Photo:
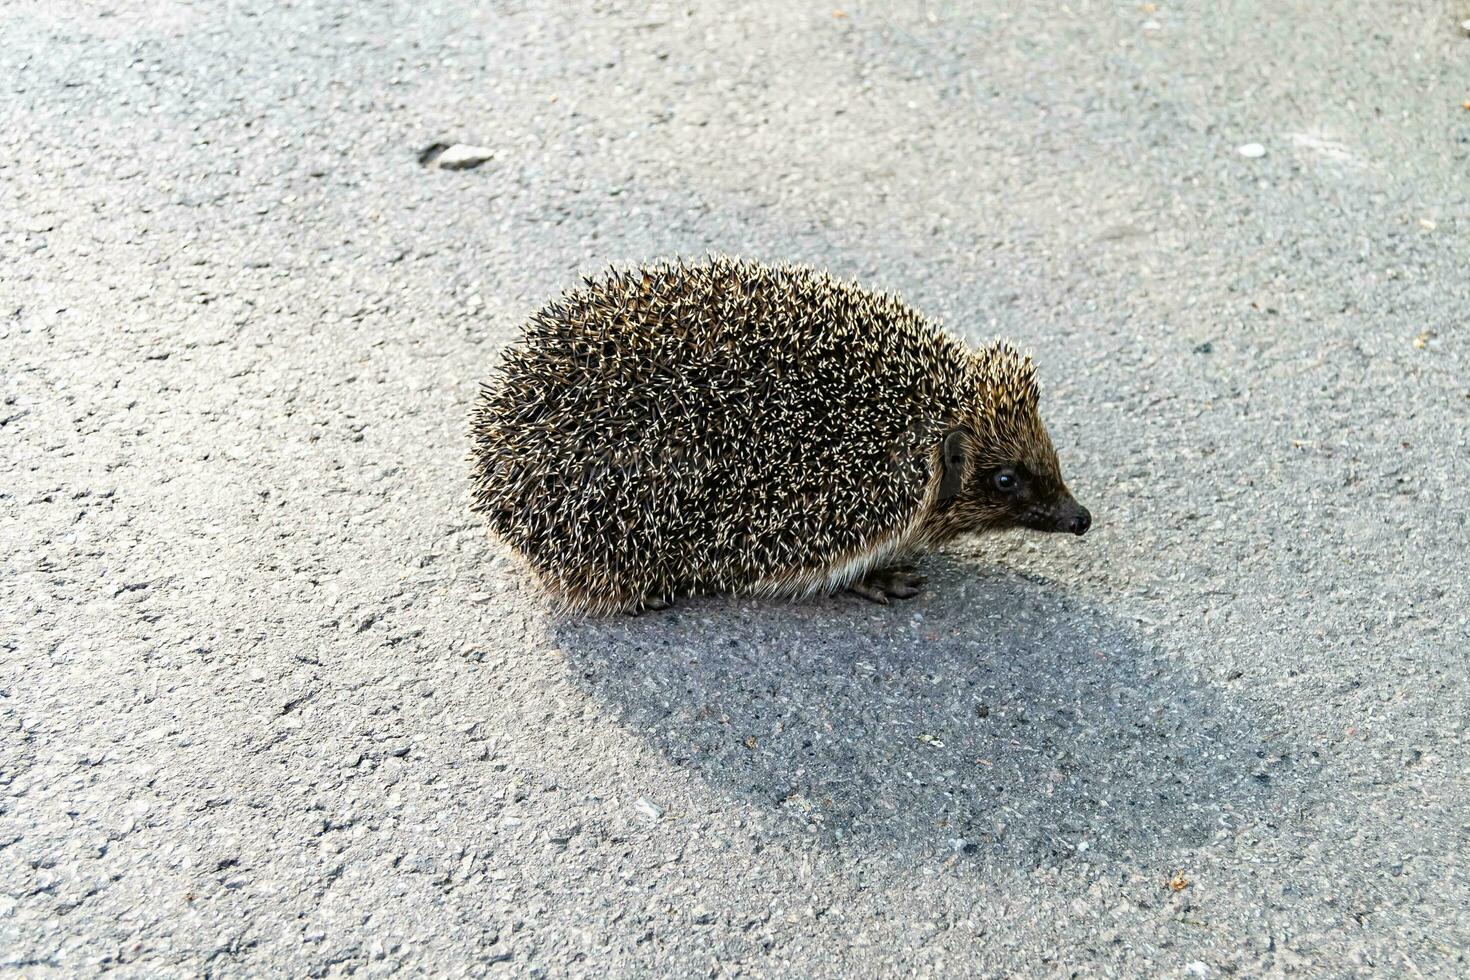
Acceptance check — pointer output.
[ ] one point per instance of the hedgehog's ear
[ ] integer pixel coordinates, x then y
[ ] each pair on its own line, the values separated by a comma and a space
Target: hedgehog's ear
951, 464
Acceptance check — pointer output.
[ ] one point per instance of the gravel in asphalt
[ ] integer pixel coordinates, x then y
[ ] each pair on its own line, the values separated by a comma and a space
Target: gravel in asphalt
273, 703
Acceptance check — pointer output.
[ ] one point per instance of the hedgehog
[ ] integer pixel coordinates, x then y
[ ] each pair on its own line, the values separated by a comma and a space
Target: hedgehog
727, 426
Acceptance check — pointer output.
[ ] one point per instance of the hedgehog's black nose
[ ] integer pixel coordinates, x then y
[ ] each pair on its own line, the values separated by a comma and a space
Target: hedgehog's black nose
1080, 521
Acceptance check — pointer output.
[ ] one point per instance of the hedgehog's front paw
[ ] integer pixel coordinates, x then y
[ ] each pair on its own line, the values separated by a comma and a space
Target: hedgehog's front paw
882, 583
648, 604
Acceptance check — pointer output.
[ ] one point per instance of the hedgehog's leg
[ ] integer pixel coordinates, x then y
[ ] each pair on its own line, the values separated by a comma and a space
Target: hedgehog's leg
896, 581
650, 603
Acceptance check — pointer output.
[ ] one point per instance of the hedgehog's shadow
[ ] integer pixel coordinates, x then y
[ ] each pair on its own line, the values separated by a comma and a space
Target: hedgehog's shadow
991, 715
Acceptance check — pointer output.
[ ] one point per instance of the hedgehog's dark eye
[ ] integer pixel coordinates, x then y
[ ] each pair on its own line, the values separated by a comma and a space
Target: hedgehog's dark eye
1006, 480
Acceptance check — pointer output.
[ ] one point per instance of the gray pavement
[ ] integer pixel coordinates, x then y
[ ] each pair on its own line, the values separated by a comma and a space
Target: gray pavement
272, 702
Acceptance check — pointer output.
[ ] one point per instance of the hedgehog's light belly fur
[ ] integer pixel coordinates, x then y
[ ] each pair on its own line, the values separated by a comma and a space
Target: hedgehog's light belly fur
721, 427
845, 570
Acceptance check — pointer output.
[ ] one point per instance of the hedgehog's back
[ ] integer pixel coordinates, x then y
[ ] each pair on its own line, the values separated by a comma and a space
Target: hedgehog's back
716, 427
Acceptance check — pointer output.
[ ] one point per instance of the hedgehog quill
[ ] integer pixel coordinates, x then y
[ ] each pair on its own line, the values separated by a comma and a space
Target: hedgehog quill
727, 426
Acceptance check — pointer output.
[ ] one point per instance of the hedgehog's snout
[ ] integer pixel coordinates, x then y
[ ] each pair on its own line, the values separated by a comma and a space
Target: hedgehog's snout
1070, 517
1073, 518
1080, 521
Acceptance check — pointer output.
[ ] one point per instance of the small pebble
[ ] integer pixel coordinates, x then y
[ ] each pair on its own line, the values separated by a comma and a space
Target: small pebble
455, 156
648, 809
565, 833
1251, 151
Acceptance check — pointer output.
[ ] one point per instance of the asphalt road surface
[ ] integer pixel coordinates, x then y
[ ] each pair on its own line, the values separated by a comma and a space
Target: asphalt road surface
273, 703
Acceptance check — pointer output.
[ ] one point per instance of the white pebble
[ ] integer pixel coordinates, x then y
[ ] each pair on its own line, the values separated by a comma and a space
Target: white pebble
1251, 151
462, 156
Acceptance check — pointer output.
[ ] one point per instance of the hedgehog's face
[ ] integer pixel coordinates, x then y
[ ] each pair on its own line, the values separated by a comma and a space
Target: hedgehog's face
999, 468
992, 485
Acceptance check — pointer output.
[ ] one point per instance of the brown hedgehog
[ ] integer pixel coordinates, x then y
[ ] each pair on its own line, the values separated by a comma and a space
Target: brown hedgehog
733, 427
